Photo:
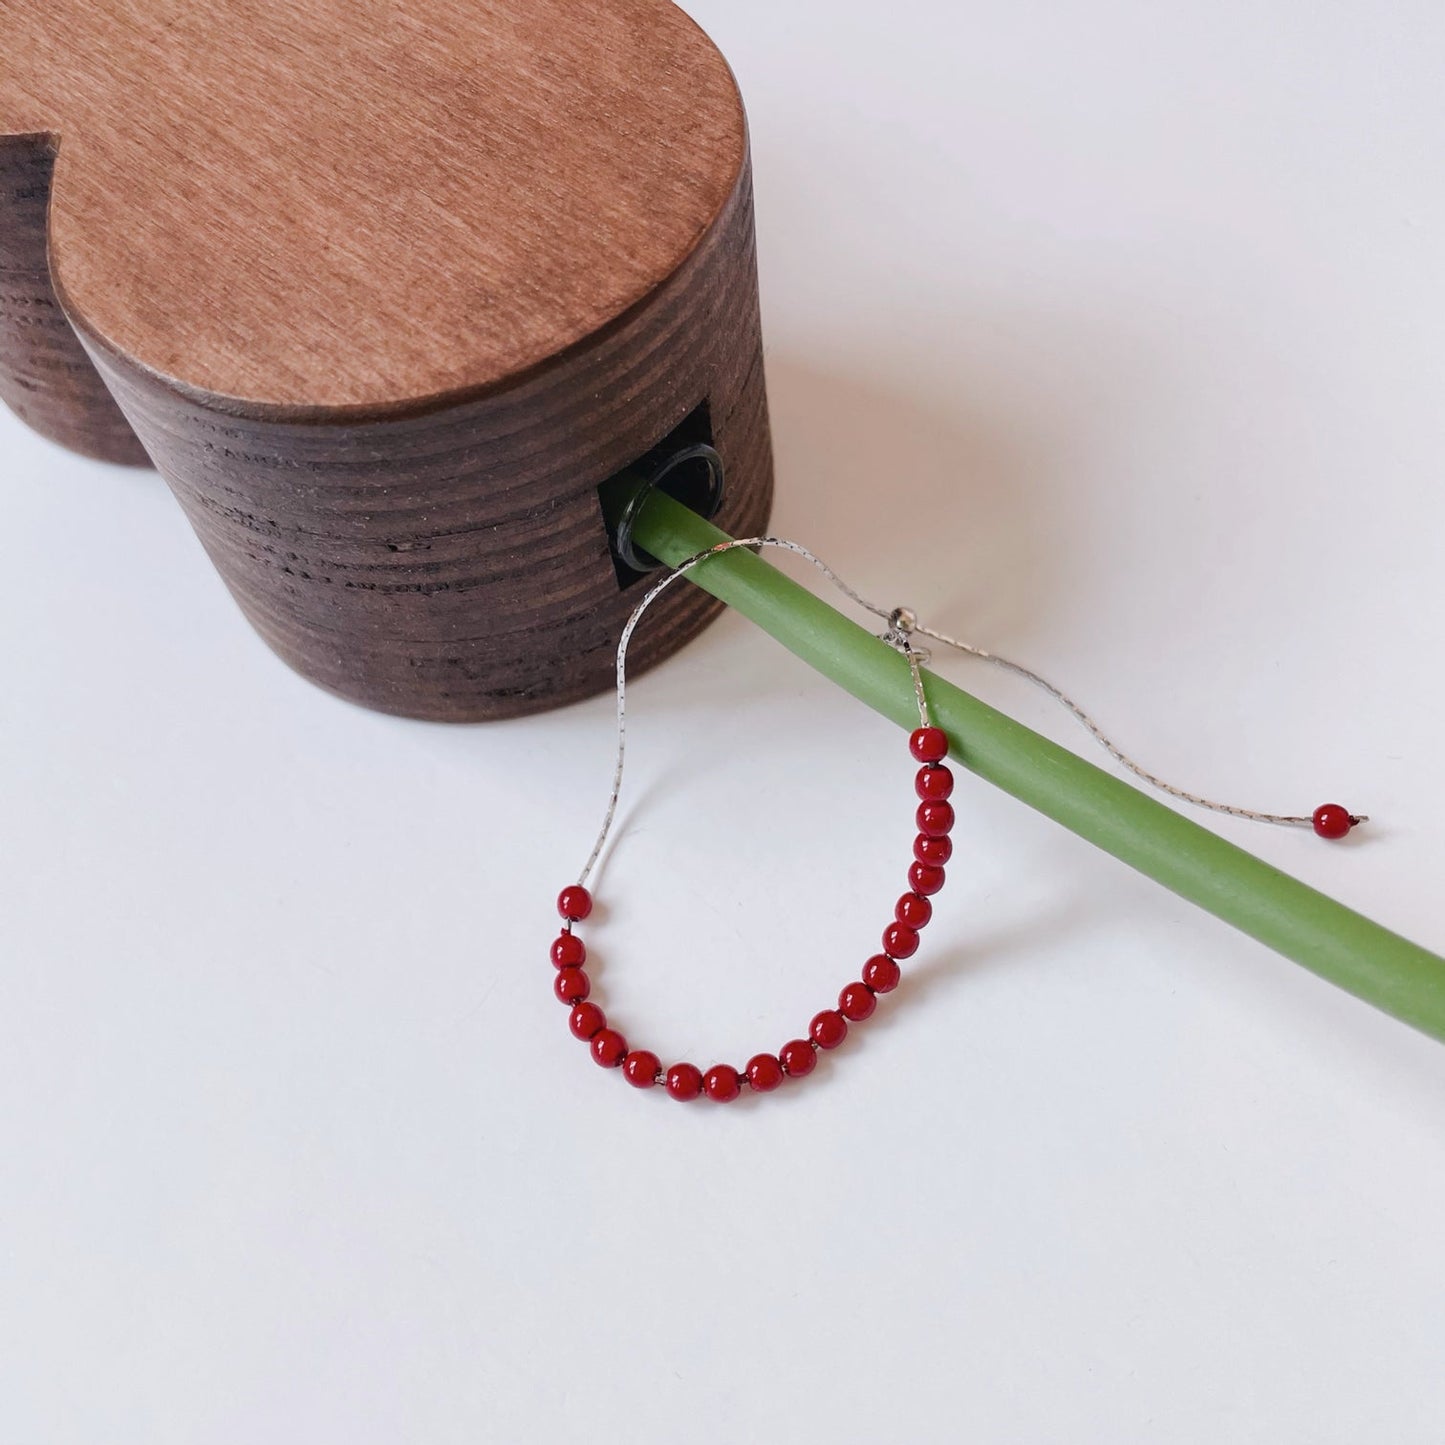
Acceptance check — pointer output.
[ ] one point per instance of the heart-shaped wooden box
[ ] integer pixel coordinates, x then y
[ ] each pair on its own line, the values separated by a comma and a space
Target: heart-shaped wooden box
386, 289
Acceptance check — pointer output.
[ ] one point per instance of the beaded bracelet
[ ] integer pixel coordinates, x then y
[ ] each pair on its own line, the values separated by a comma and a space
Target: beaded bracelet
762, 1073
932, 849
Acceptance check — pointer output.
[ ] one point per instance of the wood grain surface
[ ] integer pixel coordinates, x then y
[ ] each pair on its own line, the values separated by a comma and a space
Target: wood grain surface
45, 377
367, 203
386, 289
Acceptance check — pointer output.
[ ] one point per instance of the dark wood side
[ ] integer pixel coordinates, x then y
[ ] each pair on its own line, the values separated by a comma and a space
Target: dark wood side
453, 564
46, 378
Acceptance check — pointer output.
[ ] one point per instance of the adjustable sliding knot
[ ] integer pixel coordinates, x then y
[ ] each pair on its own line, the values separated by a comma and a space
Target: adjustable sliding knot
902, 623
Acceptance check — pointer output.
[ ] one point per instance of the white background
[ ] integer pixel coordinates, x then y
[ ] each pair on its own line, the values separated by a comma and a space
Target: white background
1109, 334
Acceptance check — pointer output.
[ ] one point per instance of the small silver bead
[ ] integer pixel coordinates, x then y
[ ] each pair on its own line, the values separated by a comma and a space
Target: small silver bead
903, 619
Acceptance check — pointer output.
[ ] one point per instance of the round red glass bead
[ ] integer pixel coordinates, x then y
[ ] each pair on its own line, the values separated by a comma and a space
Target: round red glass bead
722, 1084
587, 1021
935, 819
933, 783
798, 1057
574, 903
932, 850
926, 879
856, 1002
640, 1068
928, 745
684, 1081
764, 1072
881, 973
568, 951
609, 1048
828, 1029
900, 941
571, 985
1332, 821
914, 910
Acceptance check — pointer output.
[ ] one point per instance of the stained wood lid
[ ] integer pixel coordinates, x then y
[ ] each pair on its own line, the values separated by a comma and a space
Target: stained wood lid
312, 205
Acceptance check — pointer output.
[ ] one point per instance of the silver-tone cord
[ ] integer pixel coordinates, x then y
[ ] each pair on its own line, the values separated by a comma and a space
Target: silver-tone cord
902, 626
900, 622
1288, 820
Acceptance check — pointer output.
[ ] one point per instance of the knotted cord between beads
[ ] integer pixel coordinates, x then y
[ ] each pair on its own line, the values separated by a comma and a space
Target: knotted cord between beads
902, 624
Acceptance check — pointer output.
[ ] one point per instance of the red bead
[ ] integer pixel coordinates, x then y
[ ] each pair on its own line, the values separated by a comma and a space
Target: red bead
933, 783
571, 985
798, 1058
568, 951
856, 1002
640, 1068
928, 745
881, 973
587, 1020
932, 850
609, 1048
900, 941
722, 1084
684, 1081
913, 910
828, 1029
935, 819
926, 879
764, 1072
1332, 821
574, 903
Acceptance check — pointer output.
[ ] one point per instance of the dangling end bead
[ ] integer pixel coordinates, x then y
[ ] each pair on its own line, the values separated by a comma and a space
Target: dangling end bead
1333, 822
574, 903
928, 745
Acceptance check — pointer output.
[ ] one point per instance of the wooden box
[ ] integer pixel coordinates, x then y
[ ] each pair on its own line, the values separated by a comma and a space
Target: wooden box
386, 291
